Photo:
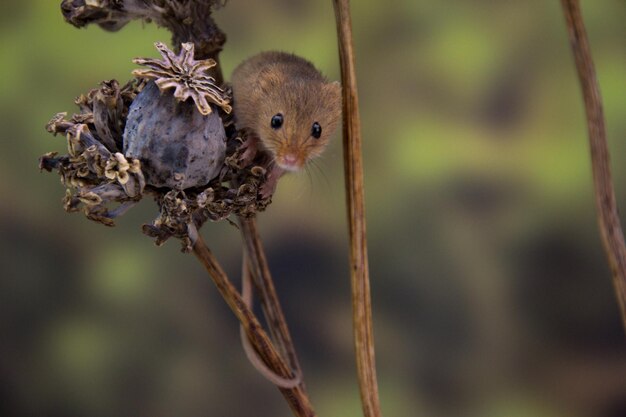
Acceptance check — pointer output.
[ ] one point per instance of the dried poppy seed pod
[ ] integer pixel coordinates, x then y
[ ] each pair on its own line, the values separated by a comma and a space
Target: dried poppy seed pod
181, 143
178, 147
171, 122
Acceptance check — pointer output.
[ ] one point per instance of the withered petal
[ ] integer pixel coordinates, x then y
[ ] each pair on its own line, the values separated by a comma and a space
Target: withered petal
201, 102
90, 198
187, 76
166, 53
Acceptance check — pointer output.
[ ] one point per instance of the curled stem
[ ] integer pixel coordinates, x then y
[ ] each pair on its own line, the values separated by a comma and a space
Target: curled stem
253, 356
258, 267
296, 397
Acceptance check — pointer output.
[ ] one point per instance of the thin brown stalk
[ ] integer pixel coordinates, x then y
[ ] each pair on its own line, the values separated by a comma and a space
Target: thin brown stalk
253, 356
608, 218
259, 269
353, 165
296, 397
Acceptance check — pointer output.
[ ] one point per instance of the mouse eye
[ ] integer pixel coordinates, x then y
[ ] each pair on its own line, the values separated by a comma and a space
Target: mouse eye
277, 121
316, 130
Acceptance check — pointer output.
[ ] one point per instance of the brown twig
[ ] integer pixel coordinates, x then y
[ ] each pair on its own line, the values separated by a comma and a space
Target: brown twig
259, 269
253, 356
296, 397
353, 166
608, 218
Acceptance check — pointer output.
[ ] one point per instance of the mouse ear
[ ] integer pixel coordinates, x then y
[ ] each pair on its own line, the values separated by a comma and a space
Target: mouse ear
334, 87
333, 93
268, 79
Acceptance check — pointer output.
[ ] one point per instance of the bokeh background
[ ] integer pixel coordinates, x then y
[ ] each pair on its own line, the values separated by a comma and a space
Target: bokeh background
491, 293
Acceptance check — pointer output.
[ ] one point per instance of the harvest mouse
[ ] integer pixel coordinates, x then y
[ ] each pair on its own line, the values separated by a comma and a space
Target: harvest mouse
290, 108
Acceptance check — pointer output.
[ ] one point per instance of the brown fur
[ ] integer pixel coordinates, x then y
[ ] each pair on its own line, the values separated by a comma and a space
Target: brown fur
278, 82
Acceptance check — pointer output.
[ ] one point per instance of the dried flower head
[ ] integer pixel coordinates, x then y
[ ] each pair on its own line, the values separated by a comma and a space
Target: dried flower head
187, 76
94, 176
103, 181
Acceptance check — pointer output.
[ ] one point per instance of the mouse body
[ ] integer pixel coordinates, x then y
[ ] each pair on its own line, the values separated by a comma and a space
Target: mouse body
288, 105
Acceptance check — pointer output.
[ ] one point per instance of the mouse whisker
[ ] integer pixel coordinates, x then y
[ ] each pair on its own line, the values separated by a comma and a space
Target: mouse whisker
309, 175
315, 163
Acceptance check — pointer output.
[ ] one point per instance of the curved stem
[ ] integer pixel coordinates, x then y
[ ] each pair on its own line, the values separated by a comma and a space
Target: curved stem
296, 397
353, 165
259, 269
608, 218
253, 356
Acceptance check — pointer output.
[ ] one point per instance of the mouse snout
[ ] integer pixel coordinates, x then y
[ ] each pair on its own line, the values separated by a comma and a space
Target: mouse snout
289, 161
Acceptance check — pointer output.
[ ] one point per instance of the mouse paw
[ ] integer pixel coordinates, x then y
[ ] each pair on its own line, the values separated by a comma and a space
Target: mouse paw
249, 150
271, 181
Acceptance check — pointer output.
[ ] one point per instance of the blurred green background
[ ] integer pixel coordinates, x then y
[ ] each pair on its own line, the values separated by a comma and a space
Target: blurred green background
491, 293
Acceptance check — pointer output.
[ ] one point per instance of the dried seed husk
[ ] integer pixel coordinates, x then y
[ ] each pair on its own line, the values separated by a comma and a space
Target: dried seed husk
178, 147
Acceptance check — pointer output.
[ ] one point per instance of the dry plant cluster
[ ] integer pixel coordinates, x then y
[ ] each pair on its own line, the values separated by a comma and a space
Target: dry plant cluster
126, 143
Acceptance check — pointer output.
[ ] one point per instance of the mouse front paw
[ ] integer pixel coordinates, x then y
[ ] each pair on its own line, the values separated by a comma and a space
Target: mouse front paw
249, 150
271, 181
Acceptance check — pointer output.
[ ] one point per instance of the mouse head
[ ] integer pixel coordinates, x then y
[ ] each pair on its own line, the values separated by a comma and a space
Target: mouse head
297, 120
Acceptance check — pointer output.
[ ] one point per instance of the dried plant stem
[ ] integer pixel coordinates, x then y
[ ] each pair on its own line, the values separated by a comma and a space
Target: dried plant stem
353, 165
608, 219
253, 356
296, 397
259, 269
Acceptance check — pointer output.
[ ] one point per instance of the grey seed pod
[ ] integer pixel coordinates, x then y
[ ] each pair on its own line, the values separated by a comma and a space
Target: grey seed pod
178, 147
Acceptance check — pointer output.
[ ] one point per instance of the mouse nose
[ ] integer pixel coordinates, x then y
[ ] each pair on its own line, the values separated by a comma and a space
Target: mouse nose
290, 159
